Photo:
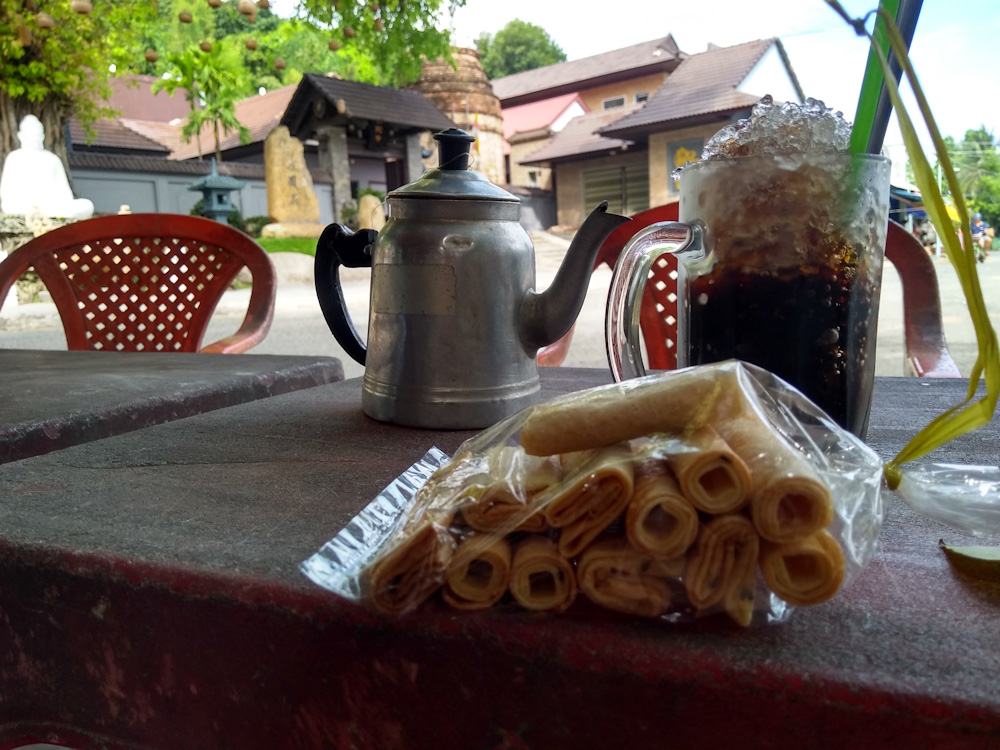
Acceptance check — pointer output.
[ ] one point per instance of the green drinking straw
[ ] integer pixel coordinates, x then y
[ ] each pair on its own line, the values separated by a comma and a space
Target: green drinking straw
872, 84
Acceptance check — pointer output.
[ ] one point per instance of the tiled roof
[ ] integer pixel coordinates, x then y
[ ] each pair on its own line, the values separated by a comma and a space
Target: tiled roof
537, 115
404, 108
580, 138
133, 96
165, 133
191, 167
639, 59
258, 113
113, 134
705, 83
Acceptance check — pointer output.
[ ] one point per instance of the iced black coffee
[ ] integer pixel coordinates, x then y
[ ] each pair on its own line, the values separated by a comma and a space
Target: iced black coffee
783, 263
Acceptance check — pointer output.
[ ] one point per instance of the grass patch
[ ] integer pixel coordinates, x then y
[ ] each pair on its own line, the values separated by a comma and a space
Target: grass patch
304, 245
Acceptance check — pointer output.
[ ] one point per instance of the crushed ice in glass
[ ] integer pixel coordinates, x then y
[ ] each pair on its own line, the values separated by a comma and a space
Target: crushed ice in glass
781, 129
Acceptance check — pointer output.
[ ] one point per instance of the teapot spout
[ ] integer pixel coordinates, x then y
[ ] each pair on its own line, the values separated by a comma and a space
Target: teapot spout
547, 316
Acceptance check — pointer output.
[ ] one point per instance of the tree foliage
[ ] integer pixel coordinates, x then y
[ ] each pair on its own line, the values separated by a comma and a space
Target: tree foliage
517, 47
65, 71
392, 35
977, 167
62, 71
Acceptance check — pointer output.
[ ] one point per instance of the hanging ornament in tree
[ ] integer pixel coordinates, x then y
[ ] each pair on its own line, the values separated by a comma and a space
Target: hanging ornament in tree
83, 7
152, 56
23, 35
215, 3
263, 4
379, 24
334, 45
185, 17
206, 46
279, 63
246, 7
349, 31
251, 44
44, 21
373, 7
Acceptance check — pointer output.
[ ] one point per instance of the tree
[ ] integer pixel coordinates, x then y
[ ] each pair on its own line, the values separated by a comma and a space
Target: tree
63, 71
977, 166
391, 37
517, 47
188, 70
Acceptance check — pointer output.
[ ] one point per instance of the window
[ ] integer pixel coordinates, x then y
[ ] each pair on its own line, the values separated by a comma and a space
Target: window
533, 178
618, 101
639, 98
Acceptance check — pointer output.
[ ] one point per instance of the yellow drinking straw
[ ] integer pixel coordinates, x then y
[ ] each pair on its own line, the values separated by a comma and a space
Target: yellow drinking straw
969, 414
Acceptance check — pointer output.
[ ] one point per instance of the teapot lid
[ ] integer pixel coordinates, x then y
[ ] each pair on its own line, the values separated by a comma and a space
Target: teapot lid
453, 179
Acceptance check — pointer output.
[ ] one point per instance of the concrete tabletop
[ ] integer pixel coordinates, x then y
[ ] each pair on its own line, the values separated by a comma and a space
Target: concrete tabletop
54, 399
151, 597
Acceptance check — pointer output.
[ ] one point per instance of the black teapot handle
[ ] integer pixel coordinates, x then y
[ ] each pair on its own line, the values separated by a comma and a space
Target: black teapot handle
339, 246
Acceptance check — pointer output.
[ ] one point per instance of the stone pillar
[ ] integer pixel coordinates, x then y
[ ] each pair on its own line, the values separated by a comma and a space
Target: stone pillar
414, 161
334, 159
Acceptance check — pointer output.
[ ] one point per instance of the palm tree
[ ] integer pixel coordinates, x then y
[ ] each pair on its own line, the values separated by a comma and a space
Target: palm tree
188, 73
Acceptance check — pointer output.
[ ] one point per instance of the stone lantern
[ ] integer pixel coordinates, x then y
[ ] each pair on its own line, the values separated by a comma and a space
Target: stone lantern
215, 188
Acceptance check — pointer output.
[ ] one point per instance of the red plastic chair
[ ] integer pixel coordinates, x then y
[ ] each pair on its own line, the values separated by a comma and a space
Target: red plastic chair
658, 314
927, 352
146, 282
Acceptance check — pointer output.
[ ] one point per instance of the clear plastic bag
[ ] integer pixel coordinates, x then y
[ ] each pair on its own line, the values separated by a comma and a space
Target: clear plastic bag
713, 489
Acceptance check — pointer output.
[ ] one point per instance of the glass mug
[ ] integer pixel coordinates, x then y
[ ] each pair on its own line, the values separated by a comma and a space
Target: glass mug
780, 266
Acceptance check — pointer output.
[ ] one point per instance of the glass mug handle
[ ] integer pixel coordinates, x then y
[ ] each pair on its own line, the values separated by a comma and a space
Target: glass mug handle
621, 332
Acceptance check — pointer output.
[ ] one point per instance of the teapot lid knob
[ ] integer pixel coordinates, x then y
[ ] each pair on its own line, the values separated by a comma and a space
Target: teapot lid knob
454, 148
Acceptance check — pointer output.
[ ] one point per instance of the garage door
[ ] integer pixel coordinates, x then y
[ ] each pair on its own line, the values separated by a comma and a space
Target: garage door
625, 188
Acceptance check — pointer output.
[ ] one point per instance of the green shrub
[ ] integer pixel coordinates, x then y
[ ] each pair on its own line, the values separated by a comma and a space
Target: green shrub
380, 194
235, 217
253, 225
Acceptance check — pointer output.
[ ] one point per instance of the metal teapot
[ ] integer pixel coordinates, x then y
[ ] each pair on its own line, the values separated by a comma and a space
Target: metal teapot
455, 321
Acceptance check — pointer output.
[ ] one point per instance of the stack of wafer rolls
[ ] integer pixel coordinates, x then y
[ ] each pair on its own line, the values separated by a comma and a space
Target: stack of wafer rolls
678, 497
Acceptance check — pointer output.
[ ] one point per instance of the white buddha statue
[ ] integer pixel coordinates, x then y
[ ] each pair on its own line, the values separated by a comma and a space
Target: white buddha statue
34, 179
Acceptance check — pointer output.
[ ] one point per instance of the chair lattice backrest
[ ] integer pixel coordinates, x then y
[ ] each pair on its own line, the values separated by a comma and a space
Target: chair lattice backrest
146, 282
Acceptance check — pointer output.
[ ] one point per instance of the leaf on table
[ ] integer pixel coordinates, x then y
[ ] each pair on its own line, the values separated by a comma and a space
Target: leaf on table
977, 562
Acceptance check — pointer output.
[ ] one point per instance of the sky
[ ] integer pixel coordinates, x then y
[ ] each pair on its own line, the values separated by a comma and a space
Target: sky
954, 50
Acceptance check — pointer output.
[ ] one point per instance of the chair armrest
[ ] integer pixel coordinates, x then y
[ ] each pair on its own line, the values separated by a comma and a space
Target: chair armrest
554, 354
256, 323
926, 349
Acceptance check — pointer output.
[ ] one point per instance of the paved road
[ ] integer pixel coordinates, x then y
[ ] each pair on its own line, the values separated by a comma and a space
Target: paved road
299, 328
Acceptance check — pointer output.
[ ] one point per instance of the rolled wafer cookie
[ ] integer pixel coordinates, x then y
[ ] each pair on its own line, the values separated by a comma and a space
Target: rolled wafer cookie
722, 566
589, 498
617, 576
681, 401
712, 476
541, 578
412, 569
509, 504
806, 571
659, 520
478, 574
788, 500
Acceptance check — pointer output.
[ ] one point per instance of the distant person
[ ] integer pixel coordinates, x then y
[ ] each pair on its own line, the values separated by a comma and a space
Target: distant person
982, 235
35, 179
